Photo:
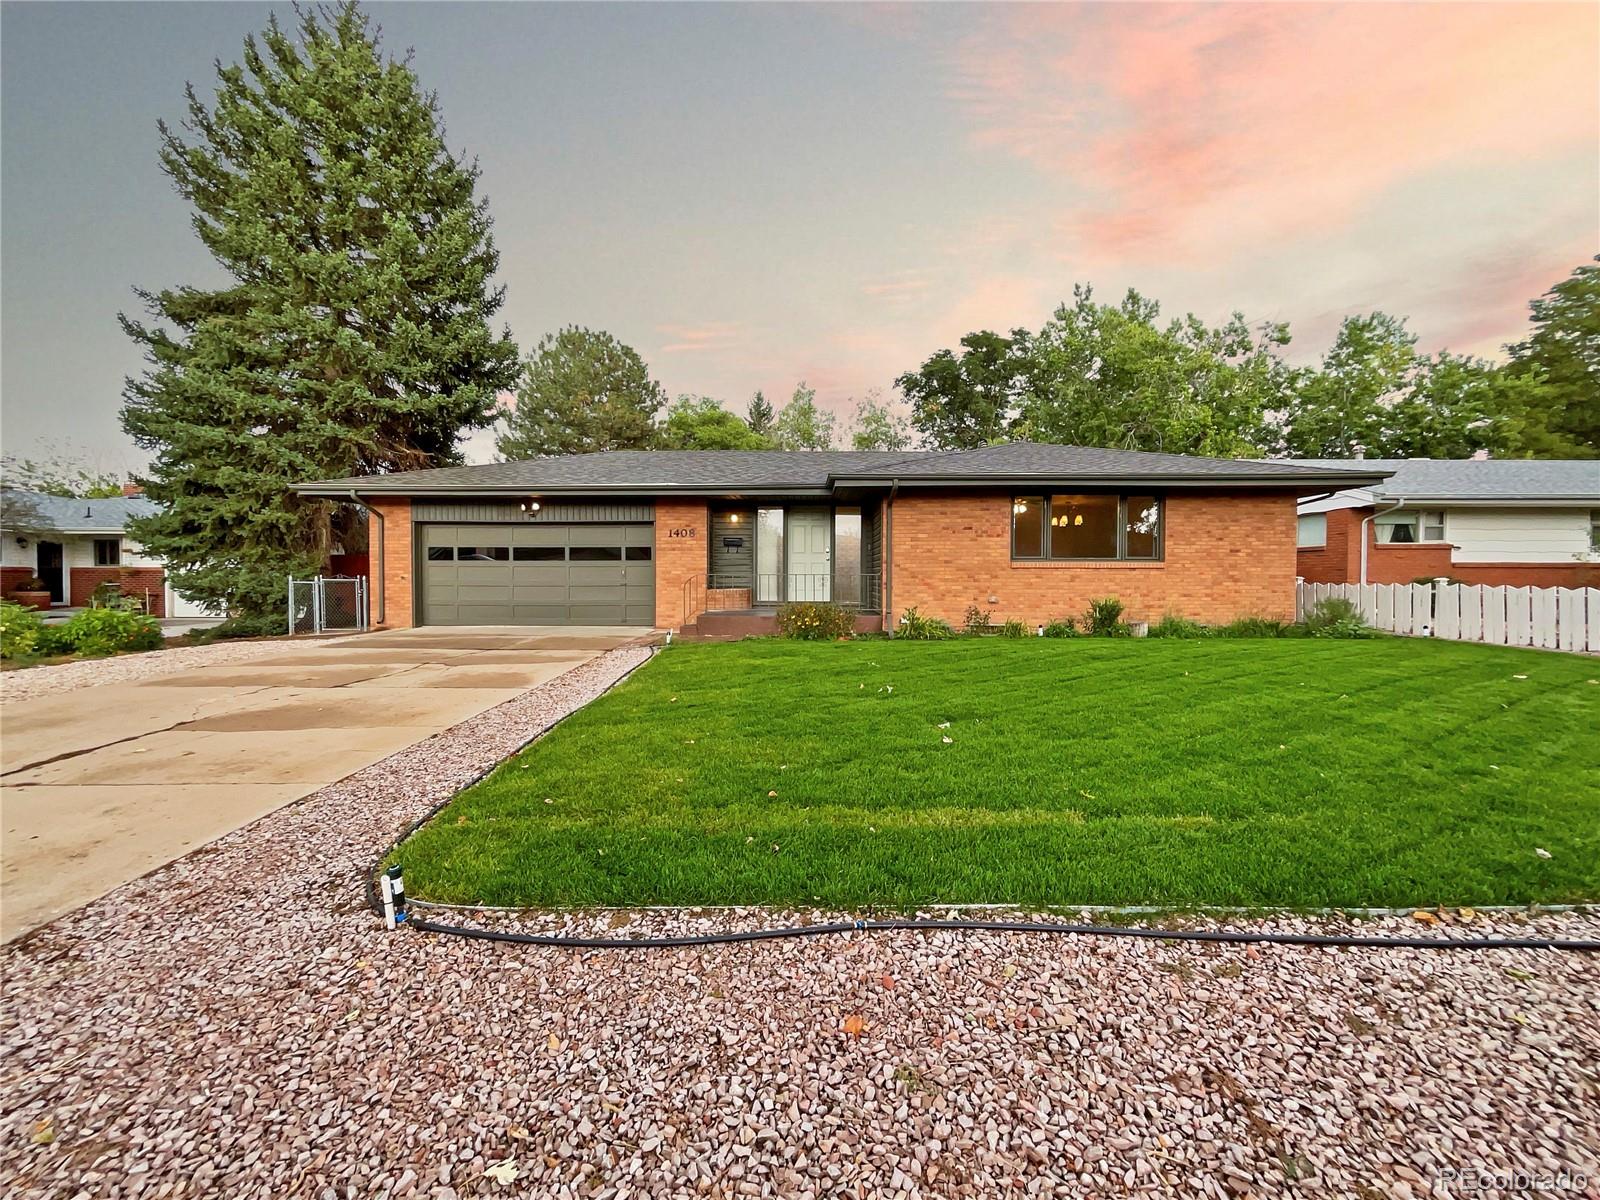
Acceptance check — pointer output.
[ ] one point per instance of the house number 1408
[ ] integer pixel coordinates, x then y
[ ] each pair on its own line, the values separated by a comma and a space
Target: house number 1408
687, 532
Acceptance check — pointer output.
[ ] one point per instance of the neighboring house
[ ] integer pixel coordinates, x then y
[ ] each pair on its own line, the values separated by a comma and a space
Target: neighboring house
1519, 522
76, 545
718, 539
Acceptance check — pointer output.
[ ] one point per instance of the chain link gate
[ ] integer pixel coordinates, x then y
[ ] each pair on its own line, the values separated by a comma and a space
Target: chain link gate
327, 603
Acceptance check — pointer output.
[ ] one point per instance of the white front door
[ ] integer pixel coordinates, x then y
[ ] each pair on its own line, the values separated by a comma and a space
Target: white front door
810, 554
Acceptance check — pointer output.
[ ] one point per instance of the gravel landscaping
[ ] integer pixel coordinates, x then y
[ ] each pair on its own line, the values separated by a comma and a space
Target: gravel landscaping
237, 1024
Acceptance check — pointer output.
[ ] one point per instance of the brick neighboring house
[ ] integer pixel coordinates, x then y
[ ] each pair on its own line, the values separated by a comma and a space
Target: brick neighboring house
714, 541
76, 545
1517, 522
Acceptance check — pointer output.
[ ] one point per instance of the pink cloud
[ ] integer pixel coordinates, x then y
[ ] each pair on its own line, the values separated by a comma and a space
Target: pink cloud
898, 285
1190, 130
692, 339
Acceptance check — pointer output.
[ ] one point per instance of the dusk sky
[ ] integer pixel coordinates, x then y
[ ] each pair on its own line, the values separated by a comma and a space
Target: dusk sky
755, 195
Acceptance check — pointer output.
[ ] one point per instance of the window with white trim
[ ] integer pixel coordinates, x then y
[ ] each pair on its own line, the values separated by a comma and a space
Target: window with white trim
1407, 528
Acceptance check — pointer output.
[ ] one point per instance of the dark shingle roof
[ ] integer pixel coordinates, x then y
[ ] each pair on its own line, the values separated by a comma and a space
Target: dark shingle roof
642, 472
1481, 479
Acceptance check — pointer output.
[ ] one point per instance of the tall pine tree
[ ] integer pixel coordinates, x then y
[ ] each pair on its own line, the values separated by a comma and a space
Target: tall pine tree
353, 334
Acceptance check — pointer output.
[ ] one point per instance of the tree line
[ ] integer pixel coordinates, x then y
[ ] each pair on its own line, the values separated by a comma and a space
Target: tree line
583, 391
354, 334
1117, 375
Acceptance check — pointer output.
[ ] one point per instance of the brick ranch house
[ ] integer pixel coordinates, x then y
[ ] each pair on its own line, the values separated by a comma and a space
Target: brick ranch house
713, 541
75, 545
1512, 522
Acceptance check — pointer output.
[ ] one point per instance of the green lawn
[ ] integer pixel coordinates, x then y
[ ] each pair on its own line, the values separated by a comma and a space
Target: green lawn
1297, 773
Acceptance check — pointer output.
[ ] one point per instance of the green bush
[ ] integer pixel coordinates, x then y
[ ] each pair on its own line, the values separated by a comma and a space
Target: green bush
1252, 627
1062, 627
99, 631
1104, 618
1336, 617
815, 621
977, 620
918, 628
1013, 629
1174, 626
264, 625
20, 631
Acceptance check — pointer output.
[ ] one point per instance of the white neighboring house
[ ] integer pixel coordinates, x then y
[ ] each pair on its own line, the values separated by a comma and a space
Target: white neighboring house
75, 545
1511, 521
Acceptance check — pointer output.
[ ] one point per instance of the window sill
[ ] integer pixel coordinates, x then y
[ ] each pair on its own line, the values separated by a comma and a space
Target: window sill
1086, 564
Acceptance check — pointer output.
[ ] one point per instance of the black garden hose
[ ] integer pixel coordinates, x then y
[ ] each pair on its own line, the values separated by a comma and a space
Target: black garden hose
1233, 937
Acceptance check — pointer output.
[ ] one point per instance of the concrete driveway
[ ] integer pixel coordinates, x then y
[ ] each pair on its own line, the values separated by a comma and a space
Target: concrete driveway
101, 784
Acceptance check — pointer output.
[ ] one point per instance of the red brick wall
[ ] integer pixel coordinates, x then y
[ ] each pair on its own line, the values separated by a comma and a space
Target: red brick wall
1403, 563
394, 535
1340, 561
1227, 555
1567, 575
683, 531
147, 584
11, 578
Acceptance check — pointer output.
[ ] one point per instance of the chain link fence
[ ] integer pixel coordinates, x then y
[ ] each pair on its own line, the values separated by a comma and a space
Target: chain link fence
327, 603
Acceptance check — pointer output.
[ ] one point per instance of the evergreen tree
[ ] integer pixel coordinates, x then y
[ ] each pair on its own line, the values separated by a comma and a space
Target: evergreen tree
759, 416
353, 333
582, 391
802, 425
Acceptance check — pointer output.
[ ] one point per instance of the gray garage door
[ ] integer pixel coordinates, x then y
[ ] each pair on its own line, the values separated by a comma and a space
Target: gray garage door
538, 574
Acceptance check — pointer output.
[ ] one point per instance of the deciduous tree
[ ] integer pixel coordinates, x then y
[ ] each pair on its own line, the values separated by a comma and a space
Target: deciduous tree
879, 427
962, 401
802, 425
1563, 352
701, 423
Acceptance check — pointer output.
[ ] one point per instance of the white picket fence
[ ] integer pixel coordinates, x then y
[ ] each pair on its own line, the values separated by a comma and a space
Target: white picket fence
1554, 618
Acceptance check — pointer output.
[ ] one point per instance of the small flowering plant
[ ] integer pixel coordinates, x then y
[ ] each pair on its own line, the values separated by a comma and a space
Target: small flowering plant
812, 621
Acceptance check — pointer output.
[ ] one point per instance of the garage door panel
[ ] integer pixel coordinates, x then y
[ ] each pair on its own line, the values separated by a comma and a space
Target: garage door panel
538, 574
596, 614
556, 594
539, 535
540, 614
545, 573
580, 576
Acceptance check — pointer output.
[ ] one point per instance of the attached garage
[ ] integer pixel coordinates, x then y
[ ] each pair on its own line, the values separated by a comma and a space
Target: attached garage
537, 573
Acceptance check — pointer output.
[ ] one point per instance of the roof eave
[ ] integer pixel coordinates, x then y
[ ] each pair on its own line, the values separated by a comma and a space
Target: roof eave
1120, 479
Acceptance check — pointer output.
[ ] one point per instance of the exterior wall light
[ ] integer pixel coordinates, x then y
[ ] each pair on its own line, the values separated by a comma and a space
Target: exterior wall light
531, 506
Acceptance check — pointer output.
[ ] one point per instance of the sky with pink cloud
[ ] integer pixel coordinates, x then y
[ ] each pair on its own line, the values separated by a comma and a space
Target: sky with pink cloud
753, 195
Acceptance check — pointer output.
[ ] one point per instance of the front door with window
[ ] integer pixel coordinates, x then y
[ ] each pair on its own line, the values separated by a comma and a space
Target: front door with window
50, 571
810, 543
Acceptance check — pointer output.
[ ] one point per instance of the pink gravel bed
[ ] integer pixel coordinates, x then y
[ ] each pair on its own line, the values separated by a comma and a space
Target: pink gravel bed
237, 1025
31, 683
